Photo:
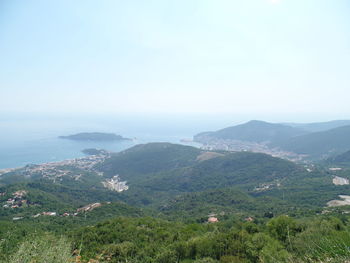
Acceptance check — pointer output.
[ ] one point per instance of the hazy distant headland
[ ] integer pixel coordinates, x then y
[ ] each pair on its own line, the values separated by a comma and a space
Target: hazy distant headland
293, 141
95, 136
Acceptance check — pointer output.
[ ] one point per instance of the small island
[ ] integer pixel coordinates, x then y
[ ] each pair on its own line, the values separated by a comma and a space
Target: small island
93, 151
94, 136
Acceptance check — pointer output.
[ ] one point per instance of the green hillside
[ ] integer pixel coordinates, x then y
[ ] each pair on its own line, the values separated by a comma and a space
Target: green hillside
223, 202
157, 172
235, 169
279, 240
320, 144
149, 159
341, 159
44, 196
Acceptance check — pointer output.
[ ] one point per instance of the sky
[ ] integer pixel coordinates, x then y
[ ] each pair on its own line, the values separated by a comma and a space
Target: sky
176, 57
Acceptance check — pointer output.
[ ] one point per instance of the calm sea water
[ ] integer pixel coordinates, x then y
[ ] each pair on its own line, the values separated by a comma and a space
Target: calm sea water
34, 140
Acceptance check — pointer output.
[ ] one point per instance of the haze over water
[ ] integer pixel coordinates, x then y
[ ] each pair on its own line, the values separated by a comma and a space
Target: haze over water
217, 59
33, 140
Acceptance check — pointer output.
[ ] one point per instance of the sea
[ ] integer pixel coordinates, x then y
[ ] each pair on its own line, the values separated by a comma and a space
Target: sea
33, 139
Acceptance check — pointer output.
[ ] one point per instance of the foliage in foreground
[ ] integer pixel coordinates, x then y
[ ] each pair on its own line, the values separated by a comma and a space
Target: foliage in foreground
42, 249
282, 239
145, 240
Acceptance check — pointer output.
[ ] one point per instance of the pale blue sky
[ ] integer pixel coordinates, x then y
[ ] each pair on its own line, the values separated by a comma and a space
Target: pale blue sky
183, 56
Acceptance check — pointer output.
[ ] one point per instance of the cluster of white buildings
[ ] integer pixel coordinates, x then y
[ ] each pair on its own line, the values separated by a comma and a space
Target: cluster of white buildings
57, 170
16, 200
115, 184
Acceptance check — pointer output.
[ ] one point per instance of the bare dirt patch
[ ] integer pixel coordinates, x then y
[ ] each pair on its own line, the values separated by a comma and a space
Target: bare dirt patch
340, 181
345, 201
208, 155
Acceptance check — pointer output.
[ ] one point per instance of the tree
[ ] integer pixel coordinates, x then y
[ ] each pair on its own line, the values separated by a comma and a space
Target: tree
282, 228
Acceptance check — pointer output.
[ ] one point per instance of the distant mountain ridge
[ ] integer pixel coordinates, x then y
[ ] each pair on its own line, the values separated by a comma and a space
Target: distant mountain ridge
319, 126
313, 140
254, 131
320, 144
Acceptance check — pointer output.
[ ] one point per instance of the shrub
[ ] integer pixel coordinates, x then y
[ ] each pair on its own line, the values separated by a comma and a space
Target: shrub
43, 249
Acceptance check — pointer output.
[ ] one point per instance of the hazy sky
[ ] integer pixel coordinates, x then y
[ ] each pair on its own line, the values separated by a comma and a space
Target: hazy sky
162, 56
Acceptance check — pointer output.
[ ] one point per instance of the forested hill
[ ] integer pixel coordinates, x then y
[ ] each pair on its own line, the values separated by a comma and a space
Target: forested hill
171, 167
234, 169
149, 158
320, 144
341, 159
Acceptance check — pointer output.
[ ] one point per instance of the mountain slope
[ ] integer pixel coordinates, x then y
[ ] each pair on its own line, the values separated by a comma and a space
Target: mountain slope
164, 166
320, 144
253, 131
197, 206
149, 159
241, 169
157, 172
341, 159
319, 126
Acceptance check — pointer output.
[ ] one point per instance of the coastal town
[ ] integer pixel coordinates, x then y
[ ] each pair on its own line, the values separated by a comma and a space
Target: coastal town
19, 199
56, 170
72, 169
214, 144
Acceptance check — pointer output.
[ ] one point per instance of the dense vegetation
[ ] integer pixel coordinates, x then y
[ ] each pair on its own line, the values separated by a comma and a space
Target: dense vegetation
161, 171
149, 158
126, 239
269, 210
320, 144
281, 239
341, 159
